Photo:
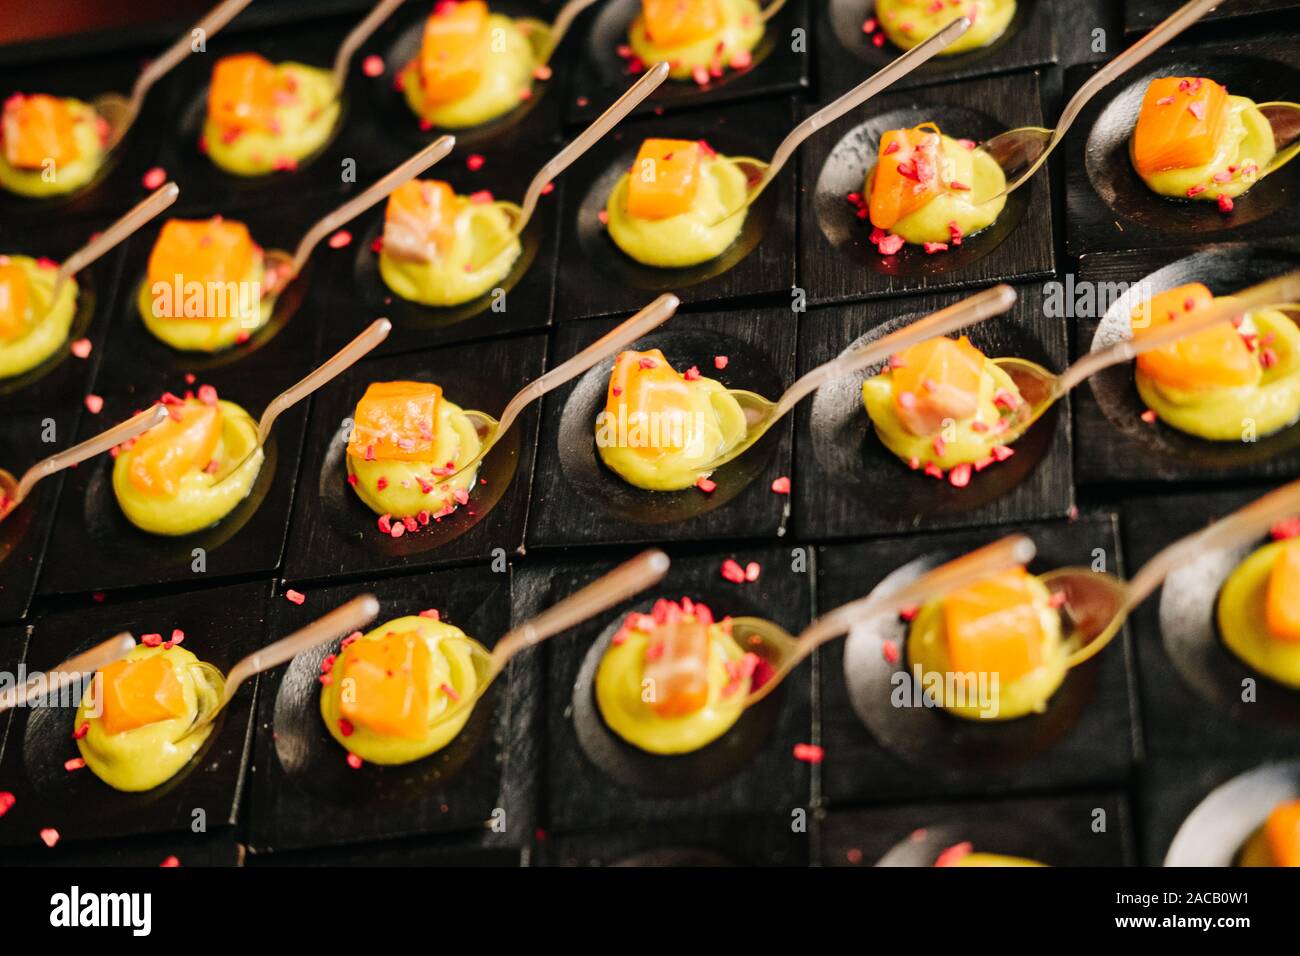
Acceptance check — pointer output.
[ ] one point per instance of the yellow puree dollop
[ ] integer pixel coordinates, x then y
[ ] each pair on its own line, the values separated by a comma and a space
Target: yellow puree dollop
46, 322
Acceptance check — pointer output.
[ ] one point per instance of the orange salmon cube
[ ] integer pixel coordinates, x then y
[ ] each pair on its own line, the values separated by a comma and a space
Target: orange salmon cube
939, 379
453, 50
420, 220
672, 23
664, 178
396, 421
386, 685
993, 627
38, 128
204, 251
1282, 831
1282, 605
13, 301
243, 93
1217, 357
139, 692
677, 661
907, 174
652, 400
168, 452
1180, 124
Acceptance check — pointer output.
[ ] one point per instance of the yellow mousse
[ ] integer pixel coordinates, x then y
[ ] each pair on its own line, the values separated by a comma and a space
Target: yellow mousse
33, 325
49, 146
697, 38
1259, 611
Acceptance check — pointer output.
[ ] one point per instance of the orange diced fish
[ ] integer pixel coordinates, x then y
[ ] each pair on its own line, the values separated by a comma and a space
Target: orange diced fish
677, 662
1282, 605
672, 23
13, 301
993, 627
938, 379
1180, 124
453, 50
396, 421
386, 685
36, 129
168, 452
243, 93
1282, 831
654, 401
907, 174
420, 220
139, 692
1217, 357
664, 178
205, 251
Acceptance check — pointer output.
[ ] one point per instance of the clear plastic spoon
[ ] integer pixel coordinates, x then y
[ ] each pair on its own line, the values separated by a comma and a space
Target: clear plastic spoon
521, 215
120, 111
343, 620
1040, 388
783, 652
359, 35
761, 414
760, 174
490, 429
554, 33
55, 679
14, 491
1020, 152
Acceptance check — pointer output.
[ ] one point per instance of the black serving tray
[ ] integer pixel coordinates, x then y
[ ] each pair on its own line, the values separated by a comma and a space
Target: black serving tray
1142, 15
1191, 683
1122, 447
595, 781
13, 648
457, 850
577, 500
335, 535
877, 750
306, 795
595, 277
221, 626
1109, 208
777, 840
1058, 831
599, 74
847, 483
837, 261
846, 55
219, 846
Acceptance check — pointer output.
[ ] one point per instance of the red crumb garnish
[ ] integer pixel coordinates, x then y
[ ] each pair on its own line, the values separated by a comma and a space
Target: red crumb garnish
890, 651
340, 239
1288, 528
450, 692
7, 800
781, 486
1225, 203
934, 471
94, 404
959, 477
1148, 416
154, 178
890, 244
732, 571
474, 162
76, 763
431, 613
354, 761
720, 361
932, 247
151, 640
954, 853
50, 836
809, 753
542, 72
81, 348
372, 66
692, 374
909, 613
178, 637
752, 571
706, 485
207, 395
170, 863
603, 216
294, 597
81, 731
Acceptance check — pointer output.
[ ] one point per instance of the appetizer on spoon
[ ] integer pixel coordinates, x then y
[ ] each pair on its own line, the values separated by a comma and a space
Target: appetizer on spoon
38, 300
54, 146
414, 681
907, 23
699, 38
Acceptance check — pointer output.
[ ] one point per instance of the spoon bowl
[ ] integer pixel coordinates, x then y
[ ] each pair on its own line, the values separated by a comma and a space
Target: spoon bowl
1284, 117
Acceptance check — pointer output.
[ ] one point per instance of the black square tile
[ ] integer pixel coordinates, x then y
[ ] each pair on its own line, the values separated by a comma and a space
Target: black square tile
847, 483
13, 648
577, 500
335, 534
305, 794
599, 74
221, 626
218, 847
1108, 207
837, 261
777, 840
750, 770
597, 278
1115, 443
1086, 737
847, 54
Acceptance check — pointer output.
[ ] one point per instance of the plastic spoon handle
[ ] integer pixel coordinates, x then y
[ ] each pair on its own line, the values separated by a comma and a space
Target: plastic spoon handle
1283, 289
359, 35
54, 680
358, 204
563, 20
1163, 32
88, 449
217, 18
1240, 527
772, 9
977, 308
343, 620
145, 210
623, 582
345, 358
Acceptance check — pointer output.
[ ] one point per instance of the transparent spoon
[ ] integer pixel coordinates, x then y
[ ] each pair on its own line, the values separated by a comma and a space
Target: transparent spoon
120, 111
625, 581
1284, 117
1097, 604
783, 651
519, 216
761, 414
283, 267
553, 34
1041, 388
359, 35
760, 174
14, 491
55, 679
119, 231
490, 429
1020, 152
342, 360
343, 620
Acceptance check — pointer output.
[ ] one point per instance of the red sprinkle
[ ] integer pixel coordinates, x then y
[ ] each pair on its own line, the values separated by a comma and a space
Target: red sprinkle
959, 477
1225, 203
81, 348
891, 243
809, 753
720, 361
890, 651
474, 162
372, 66
95, 404
151, 640
354, 761
781, 486
1149, 417
752, 571
706, 485
340, 239
154, 178
7, 800
431, 613
170, 863
732, 571
294, 597
50, 836
76, 763
81, 731
950, 856
1288, 528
